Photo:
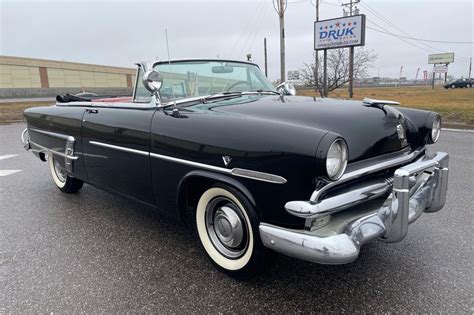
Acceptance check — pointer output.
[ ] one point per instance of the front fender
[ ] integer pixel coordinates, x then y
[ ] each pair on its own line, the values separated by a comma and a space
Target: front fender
206, 178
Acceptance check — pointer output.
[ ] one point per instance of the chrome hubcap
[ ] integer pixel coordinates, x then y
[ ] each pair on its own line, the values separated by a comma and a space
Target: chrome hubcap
226, 228
59, 170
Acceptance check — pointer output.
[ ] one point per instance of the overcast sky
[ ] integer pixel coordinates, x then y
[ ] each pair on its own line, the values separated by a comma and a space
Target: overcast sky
123, 32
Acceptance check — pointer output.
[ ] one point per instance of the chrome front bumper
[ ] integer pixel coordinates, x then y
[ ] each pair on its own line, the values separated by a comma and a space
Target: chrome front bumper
416, 188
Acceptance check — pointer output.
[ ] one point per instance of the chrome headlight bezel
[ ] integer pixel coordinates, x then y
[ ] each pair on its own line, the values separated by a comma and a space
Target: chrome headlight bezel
435, 129
336, 159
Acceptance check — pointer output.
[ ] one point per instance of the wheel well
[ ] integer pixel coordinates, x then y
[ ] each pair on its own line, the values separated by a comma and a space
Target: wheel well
193, 185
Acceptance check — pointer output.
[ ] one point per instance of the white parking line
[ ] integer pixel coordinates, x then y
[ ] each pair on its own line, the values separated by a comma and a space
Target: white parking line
459, 130
8, 172
7, 156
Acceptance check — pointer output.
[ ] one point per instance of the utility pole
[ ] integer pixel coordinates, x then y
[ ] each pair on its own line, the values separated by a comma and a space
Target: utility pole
280, 8
470, 67
433, 80
265, 55
316, 53
446, 73
351, 50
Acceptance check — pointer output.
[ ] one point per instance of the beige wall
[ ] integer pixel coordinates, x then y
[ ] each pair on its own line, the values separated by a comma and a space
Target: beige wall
17, 72
12, 76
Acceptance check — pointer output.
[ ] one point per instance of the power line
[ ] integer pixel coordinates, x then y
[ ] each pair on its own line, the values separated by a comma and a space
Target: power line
409, 36
390, 23
258, 28
420, 39
402, 39
246, 29
405, 40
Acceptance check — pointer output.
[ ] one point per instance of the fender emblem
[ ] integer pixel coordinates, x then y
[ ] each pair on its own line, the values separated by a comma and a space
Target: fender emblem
227, 159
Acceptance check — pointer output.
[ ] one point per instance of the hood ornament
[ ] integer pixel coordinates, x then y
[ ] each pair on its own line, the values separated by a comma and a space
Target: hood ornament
227, 159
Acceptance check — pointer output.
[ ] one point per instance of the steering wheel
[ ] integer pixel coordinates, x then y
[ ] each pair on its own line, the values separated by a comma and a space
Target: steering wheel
233, 85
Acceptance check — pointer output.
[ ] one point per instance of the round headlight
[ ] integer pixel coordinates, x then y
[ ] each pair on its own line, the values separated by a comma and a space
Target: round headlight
436, 129
336, 159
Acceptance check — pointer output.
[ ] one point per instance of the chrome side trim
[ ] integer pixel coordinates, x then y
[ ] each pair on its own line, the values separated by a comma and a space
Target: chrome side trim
239, 172
52, 134
119, 148
47, 150
365, 171
192, 163
264, 177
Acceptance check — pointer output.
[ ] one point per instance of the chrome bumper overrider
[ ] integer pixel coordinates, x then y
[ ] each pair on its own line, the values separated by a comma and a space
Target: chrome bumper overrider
68, 154
416, 188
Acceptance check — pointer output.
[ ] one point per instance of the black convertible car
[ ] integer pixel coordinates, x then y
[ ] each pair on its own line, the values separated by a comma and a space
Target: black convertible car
252, 168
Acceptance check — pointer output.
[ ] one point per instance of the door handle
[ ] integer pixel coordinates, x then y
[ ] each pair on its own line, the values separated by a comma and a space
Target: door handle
92, 111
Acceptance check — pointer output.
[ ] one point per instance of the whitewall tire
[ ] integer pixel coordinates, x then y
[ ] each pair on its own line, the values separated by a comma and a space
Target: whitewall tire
227, 227
61, 179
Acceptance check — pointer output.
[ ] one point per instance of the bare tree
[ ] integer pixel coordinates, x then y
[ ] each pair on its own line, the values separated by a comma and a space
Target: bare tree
338, 68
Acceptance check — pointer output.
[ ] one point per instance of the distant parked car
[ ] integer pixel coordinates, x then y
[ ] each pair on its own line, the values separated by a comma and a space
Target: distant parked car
459, 83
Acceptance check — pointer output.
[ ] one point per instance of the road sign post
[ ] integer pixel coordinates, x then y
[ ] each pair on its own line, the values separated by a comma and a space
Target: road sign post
440, 64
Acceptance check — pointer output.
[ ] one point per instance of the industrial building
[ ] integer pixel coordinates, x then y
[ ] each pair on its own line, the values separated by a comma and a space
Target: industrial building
28, 77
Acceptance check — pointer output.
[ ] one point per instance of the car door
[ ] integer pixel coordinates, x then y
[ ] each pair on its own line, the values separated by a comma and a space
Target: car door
116, 145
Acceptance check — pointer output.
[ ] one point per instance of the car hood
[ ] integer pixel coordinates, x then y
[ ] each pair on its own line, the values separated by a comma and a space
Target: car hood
369, 131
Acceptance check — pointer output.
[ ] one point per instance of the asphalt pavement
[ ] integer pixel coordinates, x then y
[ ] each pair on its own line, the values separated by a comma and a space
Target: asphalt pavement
94, 252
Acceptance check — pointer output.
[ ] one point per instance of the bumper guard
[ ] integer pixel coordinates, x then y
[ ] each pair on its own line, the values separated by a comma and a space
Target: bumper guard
417, 187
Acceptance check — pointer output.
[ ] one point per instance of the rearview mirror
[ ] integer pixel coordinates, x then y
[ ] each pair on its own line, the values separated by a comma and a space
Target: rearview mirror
222, 69
152, 81
286, 88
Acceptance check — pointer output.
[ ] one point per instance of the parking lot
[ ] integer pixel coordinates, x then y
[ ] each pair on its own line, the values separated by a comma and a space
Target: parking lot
94, 252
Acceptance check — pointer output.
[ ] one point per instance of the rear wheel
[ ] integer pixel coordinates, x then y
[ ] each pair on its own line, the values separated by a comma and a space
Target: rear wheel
63, 181
227, 227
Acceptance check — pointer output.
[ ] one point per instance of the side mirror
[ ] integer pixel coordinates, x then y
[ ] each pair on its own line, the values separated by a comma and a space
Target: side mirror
152, 81
286, 88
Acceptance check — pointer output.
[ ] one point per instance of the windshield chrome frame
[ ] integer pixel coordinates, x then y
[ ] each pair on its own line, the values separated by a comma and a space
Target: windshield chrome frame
202, 98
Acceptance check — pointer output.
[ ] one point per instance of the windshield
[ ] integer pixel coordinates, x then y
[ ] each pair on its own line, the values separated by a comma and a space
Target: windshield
183, 79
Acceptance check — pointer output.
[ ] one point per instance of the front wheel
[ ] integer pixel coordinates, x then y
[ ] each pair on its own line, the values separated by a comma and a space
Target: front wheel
63, 181
227, 227
453, 86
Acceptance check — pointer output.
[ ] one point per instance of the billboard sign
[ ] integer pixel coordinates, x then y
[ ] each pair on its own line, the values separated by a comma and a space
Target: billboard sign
441, 58
340, 32
440, 68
